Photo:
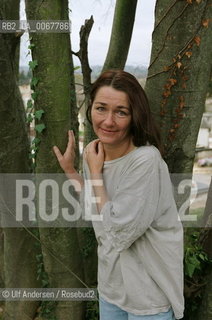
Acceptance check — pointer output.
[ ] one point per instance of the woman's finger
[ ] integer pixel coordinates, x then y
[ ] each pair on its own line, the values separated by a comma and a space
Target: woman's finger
100, 147
73, 137
70, 141
57, 153
94, 146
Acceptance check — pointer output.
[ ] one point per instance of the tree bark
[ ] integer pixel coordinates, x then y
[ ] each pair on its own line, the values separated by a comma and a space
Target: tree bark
121, 34
178, 76
19, 247
205, 308
56, 96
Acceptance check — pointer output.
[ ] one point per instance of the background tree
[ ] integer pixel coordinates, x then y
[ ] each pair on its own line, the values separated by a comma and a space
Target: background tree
55, 96
19, 250
205, 309
178, 76
177, 84
121, 34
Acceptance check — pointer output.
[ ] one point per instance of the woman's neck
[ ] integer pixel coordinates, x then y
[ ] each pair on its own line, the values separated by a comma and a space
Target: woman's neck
113, 152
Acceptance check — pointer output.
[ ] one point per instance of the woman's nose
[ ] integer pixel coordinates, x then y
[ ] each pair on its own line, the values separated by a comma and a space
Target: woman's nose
109, 119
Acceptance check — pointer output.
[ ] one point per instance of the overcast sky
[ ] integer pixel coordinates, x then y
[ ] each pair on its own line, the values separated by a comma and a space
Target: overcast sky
102, 11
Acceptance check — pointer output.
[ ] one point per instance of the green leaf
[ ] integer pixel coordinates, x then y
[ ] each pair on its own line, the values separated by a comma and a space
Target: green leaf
38, 114
203, 257
33, 64
34, 81
34, 95
29, 104
29, 118
190, 269
47, 310
39, 256
194, 261
40, 127
76, 68
31, 46
36, 141
34, 149
45, 282
32, 155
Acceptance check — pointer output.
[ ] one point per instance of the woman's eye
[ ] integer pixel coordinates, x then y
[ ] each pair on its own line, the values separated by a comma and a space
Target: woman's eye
122, 113
100, 109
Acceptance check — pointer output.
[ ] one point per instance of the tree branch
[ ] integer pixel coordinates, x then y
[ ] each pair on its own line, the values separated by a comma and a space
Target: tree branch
83, 53
75, 53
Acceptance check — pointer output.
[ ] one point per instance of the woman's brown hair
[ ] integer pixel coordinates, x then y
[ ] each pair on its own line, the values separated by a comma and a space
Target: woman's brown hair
143, 126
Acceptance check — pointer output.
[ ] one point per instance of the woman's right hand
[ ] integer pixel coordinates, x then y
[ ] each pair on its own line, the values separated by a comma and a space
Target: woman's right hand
66, 160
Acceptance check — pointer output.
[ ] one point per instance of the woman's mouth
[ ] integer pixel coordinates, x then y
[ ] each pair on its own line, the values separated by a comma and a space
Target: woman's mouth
107, 131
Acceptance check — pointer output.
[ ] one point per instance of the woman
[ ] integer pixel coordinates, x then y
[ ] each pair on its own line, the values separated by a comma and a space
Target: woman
140, 240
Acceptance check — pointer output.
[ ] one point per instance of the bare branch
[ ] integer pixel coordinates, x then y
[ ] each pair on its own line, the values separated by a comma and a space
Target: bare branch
83, 53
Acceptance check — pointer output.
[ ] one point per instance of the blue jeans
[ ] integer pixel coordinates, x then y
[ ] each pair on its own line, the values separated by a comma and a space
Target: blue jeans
109, 311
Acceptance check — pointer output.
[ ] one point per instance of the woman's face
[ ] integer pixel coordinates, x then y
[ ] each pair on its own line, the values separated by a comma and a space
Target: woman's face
111, 116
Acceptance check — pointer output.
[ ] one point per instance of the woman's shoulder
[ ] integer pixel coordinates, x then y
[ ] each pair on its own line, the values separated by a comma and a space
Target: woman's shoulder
143, 158
147, 153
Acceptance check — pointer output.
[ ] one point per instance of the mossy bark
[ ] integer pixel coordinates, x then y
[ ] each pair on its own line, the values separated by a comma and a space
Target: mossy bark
178, 76
177, 84
56, 96
205, 308
19, 247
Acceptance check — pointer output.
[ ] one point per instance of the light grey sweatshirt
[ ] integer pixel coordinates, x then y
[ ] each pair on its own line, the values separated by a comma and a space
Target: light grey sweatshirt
140, 240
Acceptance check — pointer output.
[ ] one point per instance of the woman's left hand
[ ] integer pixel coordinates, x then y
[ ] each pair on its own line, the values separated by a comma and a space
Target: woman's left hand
94, 155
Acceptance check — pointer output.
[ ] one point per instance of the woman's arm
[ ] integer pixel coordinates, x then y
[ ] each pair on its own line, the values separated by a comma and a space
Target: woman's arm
134, 203
66, 160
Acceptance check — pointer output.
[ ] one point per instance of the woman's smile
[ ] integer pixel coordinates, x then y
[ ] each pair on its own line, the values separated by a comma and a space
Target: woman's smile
108, 131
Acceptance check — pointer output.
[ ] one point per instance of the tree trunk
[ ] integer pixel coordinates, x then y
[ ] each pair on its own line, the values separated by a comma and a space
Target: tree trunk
121, 34
56, 96
19, 256
208, 208
205, 309
178, 76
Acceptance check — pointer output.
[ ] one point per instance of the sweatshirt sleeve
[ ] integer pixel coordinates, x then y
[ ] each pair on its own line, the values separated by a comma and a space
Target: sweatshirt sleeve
132, 208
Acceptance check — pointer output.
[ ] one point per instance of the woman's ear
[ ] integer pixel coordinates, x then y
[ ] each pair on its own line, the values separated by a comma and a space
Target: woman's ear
88, 113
